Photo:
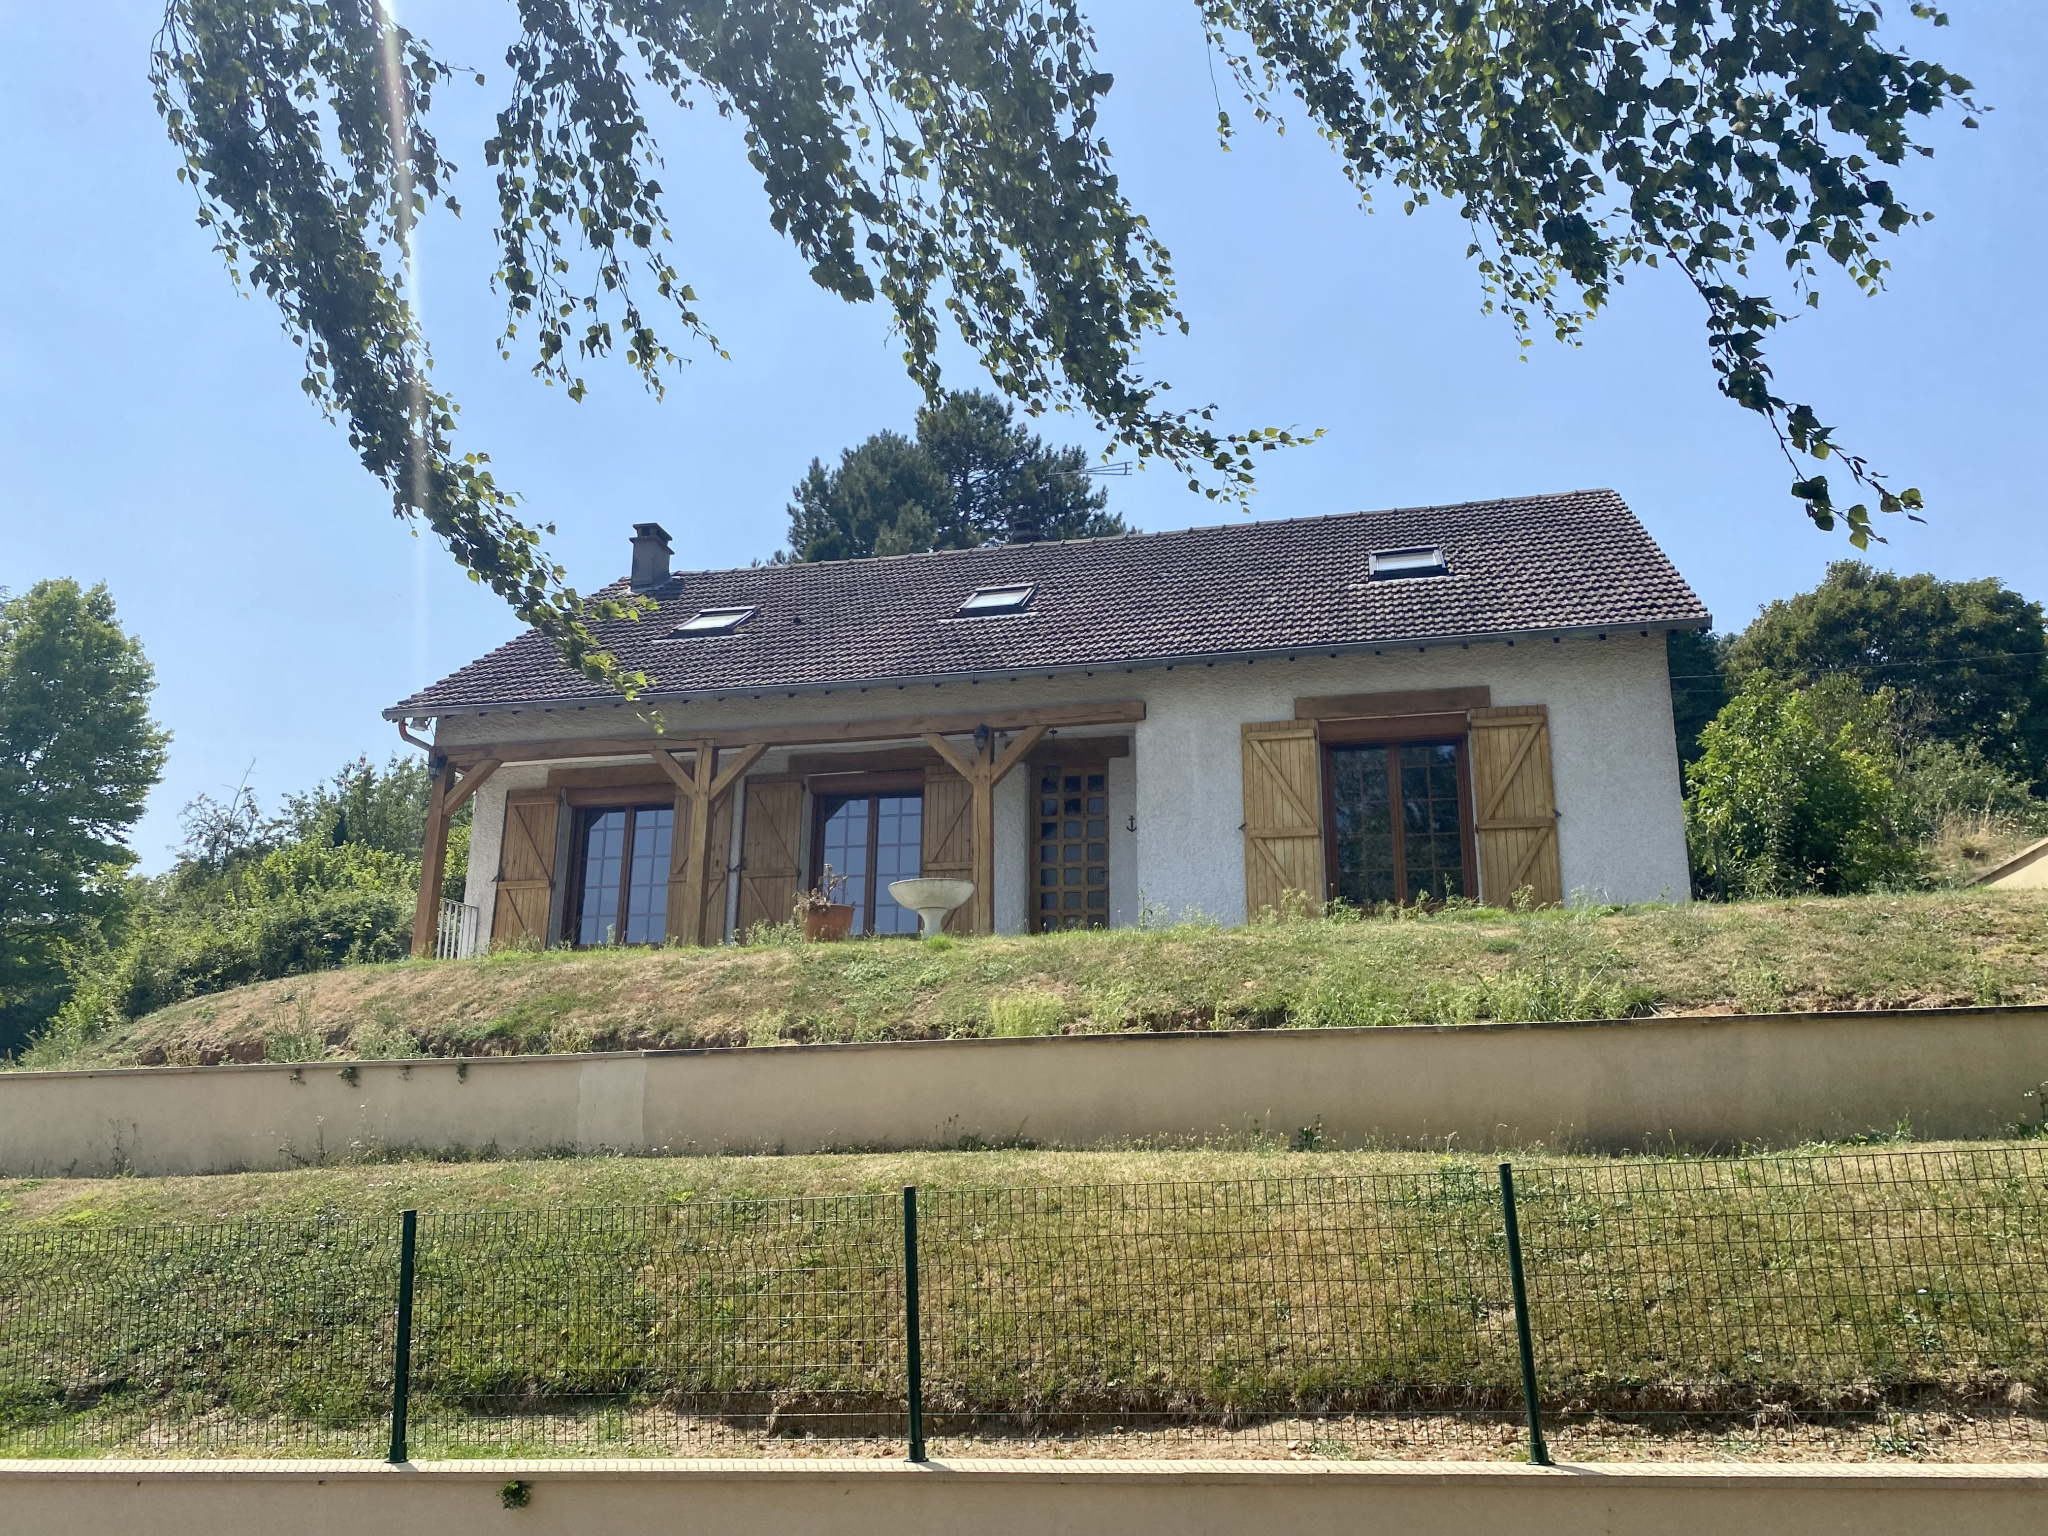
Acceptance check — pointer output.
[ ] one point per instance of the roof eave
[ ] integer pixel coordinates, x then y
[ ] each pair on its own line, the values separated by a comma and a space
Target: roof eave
1068, 669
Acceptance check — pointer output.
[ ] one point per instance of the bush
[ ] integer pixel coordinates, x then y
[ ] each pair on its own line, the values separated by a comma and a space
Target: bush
1784, 800
1944, 783
303, 907
173, 957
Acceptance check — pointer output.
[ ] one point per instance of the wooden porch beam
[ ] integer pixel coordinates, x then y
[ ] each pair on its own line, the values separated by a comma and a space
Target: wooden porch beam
734, 771
983, 772
1015, 753
685, 777
471, 782
967, 767
823, 733
705, 789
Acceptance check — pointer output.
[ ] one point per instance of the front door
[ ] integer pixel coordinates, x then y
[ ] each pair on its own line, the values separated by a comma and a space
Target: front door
1071, 879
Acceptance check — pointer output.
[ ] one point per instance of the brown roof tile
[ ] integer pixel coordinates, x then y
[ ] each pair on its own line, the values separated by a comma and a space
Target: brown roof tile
1575, 561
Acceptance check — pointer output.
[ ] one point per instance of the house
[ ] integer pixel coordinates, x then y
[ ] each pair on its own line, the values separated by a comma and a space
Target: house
1416, 704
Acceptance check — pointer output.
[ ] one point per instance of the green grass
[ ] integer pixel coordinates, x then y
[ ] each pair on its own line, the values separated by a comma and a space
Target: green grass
1457, 965
624, 1306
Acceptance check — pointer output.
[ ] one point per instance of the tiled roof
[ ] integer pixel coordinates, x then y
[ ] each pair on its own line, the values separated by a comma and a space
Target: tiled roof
1575, 561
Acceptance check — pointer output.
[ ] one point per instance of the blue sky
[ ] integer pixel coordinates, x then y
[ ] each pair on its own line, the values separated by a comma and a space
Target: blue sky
153, 434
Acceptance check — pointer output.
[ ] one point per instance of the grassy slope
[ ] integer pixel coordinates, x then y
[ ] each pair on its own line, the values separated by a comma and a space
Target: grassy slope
1829, 1280
1878, 951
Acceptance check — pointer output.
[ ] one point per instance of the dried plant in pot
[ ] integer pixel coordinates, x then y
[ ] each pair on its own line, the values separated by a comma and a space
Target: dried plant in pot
821, 910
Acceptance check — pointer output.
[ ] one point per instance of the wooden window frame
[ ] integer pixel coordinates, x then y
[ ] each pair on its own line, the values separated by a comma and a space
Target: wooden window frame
871, 787
1406, 701
1392, 730
1397, 733
581, 812
646, 793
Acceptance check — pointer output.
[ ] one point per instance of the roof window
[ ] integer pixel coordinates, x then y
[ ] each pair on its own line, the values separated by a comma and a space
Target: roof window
712, 621
1387, 564
986, 600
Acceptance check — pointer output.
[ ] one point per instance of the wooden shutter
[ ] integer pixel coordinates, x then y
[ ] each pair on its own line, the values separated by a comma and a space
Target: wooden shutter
1514, 805
526, 867
769, 836
949, 838
1283, 822
711, 928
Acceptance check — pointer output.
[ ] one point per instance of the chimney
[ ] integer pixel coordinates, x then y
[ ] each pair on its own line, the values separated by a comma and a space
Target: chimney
650, 556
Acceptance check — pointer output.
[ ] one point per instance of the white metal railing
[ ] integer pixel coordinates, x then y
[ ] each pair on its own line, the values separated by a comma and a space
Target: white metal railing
455, 933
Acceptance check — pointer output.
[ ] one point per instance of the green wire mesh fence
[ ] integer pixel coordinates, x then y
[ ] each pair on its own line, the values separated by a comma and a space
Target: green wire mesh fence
1829, 1305
1864, 1304
246, 1338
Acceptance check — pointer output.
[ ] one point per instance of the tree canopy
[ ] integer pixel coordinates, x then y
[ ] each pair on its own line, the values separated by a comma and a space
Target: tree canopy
1966, 660
1784, 800
944, 158
973, 475
79, 754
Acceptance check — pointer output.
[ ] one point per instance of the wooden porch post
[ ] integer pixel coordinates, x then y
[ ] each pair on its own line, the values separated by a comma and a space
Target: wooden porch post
449, 796
983, 772
702, 788
426, 916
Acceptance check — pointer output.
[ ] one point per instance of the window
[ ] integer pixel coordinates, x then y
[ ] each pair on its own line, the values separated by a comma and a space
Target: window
985, 600
1385, 564
622, 875
1071, 871
871, 839
1399, 822
712, 621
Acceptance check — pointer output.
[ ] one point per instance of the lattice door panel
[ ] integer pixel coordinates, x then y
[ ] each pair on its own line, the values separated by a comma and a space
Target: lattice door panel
1071, 888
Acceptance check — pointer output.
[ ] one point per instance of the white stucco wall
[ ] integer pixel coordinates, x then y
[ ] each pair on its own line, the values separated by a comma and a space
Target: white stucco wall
1621, 834
1621, 830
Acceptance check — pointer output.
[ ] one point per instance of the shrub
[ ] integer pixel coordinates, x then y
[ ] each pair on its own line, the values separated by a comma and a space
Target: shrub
1943, 784
1782, 800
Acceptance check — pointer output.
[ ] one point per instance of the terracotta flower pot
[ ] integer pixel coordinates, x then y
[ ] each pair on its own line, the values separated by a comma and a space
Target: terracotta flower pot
822, 925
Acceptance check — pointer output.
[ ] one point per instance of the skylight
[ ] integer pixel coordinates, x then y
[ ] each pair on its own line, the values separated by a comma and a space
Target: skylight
712, 621
986, 600
1386, 564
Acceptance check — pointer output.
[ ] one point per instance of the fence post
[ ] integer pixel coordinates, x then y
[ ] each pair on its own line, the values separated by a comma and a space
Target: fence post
401, 1363
914, 1355
1539, 1453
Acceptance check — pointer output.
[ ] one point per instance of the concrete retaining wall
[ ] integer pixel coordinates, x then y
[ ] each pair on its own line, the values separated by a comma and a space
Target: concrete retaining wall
1657, 1083
1016, 1499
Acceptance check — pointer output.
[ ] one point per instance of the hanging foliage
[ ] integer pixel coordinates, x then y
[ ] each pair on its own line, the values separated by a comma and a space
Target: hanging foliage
942, 157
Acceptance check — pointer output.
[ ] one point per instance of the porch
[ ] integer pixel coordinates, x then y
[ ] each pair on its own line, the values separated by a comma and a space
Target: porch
632, 839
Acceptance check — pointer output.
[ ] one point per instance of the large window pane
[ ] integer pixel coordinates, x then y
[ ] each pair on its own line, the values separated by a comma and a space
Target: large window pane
899, 853
1364, 824
647, 887
1398, 832
1433, 852
845, 847
604, 853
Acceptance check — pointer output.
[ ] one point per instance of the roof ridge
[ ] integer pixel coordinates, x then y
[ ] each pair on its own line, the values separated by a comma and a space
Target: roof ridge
1136, 534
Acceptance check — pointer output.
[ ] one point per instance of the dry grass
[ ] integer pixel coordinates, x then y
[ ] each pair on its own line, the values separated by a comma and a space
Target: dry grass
1875, 951
1968, 846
